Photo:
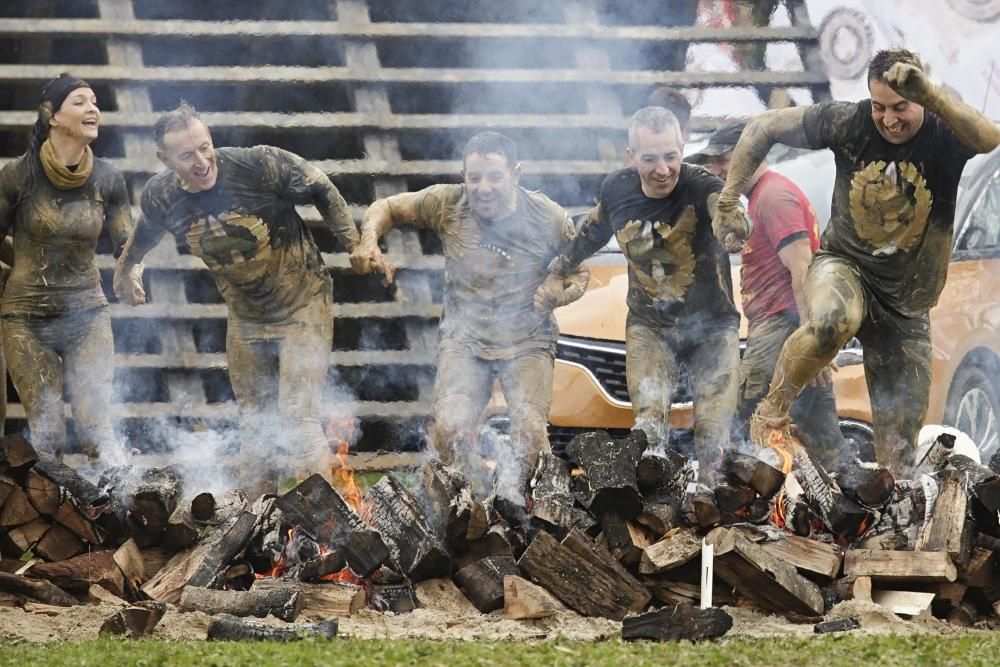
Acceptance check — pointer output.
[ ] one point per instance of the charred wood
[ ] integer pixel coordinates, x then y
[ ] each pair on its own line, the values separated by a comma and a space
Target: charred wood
451, 509
868, 486
610, 467
746, 470
731, 498
154, 500
702, 507
283, 604
661, 517
584, 547
321, 566
233, 628
230, 542
43, 591
552, 502
978, 570
319, 601
482, 581
683, 621
625, 540
395, 598
836, 625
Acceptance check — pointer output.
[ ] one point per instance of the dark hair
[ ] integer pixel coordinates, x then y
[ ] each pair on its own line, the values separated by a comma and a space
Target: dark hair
672, 100
656, 119
177, 119
882, 61
53, 94
488, 142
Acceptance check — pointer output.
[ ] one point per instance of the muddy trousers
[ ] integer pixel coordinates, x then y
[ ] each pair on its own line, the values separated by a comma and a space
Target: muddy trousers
711, 352
277, 371
897, 357
814, 412
462, 389
46, 356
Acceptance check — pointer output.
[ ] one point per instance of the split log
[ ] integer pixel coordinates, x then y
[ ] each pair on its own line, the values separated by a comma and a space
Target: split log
848, 588
574, 580
442, 594
17, 510
100, 594
950, 592
319, 601
450, 505
551, 500
868, 486
16, 453
317, 508
40, 590
232, 628
7, 485
321, 566
584, 547
78, 574
844, 517
43, 495
230, 543
524, 600
283, 604
945, 530
132, 565
153, 560
702, 506
72, 518
154, 500
496, 542
185, 525
661, 517
134, 621
978, 570
730, 498
27, 535
746, 470
59, 543
395, 513
482, 581
625, 540
808, 556
900, 565
683, 621
610, 467
673, 550
90, 499
761, 577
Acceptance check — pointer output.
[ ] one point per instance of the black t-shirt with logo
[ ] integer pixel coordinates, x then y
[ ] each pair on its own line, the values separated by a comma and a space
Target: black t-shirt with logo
677, 269
893, 209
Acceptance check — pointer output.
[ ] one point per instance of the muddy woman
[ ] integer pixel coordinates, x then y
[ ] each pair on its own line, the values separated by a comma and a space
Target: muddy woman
57, 199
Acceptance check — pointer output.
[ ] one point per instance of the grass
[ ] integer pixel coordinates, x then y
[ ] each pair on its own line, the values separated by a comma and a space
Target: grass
828, 651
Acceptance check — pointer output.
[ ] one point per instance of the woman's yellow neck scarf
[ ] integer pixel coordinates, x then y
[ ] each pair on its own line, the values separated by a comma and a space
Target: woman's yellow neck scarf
59, 174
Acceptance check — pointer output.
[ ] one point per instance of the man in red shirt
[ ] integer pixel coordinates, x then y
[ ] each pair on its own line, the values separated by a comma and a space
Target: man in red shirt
772, 276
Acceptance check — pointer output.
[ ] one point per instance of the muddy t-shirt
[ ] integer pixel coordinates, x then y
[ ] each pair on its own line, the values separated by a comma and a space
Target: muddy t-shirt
493, 268
893, 210
677, 269
246, 229
55, 237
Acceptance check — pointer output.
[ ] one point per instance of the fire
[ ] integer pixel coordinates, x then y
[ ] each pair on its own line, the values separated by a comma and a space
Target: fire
785, 448
339, 433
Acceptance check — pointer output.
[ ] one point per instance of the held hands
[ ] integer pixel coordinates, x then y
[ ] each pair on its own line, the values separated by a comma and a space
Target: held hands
128, 284
549, 295
368, 257
911, 83
731, 225
825, 377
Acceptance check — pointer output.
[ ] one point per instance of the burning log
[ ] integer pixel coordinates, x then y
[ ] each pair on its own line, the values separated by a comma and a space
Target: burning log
900, 565
321, 566
681, 547
808, 556
284, 604
483, 581
335, 599
610, 466
319, 510
392, 510
844, 517
232, 628
40, 590
551, 500
749, 471
451, 506
731, 498
682, 621
761, 577
523, 600
78, 574
872, 487
946, 529
135, 621
663, 476
578, 583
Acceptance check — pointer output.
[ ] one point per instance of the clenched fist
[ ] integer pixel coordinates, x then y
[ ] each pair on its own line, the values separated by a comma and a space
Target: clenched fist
911, 83
368, 257
731, 225
550, 294
127, 284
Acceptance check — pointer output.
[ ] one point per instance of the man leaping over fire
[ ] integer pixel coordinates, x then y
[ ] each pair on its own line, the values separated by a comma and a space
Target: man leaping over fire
498, 297
235, 208
885, 253
680, 295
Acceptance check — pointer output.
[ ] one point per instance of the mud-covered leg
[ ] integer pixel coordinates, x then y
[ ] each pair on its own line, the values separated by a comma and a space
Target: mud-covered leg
304, 360
253, 373
714, 366
89, 378
526, 381
37, 373
835, 308
461, 390
898, 373
651, 373
765, 339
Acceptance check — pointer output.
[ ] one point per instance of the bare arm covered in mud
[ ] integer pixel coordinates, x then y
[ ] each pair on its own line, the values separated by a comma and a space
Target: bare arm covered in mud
972, 128
118, 215
381, 216
594, 234
144, 237
8, 197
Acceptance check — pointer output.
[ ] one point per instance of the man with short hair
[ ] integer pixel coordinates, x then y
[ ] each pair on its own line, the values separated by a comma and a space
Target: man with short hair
235, 209
772, 283
497, 322
680, 296
885, 253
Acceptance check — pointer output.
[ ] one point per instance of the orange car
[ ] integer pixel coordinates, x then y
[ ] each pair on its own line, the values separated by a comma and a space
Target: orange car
589, 389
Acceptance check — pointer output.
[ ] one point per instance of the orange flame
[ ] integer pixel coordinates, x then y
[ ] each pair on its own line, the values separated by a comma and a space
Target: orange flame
338, 432
785, 449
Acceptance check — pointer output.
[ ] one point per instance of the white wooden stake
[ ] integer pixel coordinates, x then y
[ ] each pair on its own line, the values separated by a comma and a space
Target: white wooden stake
707, 558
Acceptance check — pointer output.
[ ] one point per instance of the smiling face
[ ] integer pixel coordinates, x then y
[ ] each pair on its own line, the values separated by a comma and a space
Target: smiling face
897, 119
657, 158
78, 118
490, 183
189, 152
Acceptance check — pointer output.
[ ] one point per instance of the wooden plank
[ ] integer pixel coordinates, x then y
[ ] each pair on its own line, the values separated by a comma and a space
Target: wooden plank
883, 565
808, 555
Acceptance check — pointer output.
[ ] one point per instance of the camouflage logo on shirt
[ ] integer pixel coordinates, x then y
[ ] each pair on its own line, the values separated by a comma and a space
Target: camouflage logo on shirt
669, 258
890, 206
229, 239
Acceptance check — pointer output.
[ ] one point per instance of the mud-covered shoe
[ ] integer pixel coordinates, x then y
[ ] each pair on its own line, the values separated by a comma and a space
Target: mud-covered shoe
769, 431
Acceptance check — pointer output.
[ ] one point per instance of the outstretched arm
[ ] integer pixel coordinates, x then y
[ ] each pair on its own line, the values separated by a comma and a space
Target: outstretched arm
971, 127
594, 234
381, 216
128, 271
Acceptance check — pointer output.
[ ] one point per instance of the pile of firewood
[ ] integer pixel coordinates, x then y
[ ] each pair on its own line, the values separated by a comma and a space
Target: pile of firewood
610, 531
